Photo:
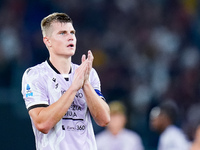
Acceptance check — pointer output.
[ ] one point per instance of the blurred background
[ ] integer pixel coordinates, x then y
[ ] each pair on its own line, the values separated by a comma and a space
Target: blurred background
146, 51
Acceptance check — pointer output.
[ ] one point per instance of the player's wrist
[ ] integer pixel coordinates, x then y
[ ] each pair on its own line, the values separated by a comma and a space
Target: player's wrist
73, 88
86, 83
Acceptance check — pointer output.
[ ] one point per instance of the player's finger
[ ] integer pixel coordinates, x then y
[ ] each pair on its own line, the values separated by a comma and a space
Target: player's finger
90, 56
83, 58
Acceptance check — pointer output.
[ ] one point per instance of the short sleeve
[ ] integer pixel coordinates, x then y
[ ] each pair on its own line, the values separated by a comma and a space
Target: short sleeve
33, 89
95, 82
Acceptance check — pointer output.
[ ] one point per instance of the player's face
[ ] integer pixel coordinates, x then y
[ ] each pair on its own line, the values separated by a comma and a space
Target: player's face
157, 123
197, 134
117, 122
62, 39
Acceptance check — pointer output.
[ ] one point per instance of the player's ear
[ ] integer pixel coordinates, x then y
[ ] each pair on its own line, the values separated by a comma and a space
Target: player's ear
46, 41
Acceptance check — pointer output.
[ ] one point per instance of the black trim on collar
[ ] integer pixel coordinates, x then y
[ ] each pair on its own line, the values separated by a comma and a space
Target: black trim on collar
67, 79
51, 65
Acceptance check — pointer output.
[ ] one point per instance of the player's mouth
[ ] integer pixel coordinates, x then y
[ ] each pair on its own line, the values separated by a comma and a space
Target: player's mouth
70, 45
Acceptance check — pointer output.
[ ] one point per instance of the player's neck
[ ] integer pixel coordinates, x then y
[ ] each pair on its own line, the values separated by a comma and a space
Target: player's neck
61, 64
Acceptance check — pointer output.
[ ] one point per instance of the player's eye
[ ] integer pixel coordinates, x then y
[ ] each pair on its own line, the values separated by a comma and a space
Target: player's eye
62, 33
72, 32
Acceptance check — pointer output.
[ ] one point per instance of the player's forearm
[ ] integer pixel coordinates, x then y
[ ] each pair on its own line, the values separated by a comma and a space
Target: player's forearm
99, 109
46, 118
50, 116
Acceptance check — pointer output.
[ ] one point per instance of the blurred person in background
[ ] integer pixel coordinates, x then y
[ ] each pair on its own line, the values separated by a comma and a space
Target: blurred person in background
116, 136
60, 95
192, 126
163, 119
195, 145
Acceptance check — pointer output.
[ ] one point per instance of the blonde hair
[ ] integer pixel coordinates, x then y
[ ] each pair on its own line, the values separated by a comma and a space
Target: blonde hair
54, 17
117, 107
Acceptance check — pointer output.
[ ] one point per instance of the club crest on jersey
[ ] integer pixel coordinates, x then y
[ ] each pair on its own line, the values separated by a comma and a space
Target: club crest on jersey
29, 93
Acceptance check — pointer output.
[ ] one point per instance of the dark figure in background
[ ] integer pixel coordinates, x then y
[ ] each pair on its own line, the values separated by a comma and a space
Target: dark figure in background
162, 120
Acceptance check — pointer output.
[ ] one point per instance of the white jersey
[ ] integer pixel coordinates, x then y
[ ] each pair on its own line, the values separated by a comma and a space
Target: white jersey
42, 85
173, 139
124, 140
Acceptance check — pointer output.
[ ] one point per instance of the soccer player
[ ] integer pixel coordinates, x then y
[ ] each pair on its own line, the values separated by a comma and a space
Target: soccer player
163, 120
116, 136
60, 95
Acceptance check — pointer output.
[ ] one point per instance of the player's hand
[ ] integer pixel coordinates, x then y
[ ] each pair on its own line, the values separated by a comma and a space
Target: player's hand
89, 62
79, 76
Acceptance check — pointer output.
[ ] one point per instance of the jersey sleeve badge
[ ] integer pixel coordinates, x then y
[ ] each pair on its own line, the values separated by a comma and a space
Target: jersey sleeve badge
29, 92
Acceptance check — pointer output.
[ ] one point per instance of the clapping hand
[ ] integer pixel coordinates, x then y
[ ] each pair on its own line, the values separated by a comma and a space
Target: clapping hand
89, 62
82, 73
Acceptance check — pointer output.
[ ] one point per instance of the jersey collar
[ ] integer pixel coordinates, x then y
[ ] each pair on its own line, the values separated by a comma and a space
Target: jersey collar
51, 65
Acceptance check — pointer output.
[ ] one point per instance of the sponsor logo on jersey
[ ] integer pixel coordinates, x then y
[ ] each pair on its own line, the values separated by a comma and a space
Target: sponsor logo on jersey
55, 83
54, 79
79, 95
29, 93
79, 126
63, 91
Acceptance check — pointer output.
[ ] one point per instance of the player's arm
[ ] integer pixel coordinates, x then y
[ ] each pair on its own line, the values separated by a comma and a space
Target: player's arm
99, 109
45, 118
